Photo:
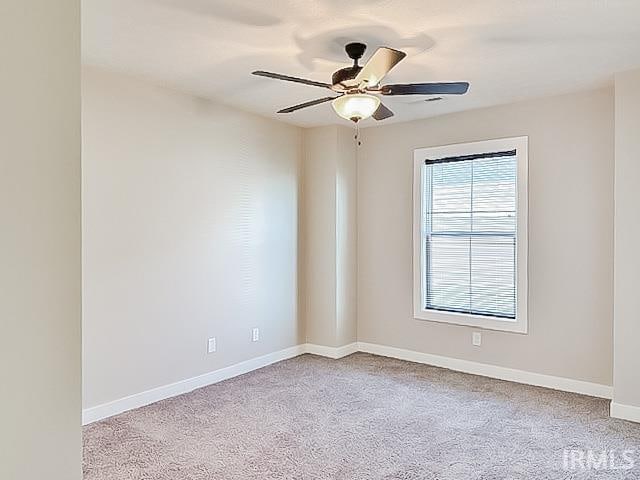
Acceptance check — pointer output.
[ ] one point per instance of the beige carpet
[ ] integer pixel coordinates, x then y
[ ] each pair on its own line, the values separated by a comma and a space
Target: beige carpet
362, 417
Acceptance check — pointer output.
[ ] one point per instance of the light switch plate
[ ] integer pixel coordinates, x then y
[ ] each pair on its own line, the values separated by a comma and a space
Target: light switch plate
476, 338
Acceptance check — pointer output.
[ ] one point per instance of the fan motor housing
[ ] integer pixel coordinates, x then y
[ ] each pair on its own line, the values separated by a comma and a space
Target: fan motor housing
348, 73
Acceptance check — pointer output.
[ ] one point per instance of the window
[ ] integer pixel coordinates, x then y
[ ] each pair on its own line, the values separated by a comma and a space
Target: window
470, 234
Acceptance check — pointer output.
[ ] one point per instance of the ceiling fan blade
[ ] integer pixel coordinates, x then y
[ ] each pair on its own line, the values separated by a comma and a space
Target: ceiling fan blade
380, 63
306, 104
453, 88
287, 78
382, 112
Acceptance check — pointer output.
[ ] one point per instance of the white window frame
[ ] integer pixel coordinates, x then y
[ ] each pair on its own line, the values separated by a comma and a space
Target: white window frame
520, 144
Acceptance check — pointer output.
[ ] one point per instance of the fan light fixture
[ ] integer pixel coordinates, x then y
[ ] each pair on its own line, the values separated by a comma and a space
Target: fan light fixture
358, 87
356, 106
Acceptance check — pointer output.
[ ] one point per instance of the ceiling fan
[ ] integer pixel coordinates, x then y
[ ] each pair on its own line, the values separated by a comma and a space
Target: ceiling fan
358, 86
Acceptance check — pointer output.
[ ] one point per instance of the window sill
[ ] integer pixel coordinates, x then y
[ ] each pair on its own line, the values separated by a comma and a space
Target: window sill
519, 325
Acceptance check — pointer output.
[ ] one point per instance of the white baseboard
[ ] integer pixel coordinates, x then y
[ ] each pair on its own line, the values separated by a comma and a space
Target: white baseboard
331, 352
141, 399
625, 412
93, 414
492, 371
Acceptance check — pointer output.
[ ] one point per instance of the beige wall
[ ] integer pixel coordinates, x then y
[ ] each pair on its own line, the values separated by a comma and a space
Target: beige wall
319, 233
40, 434
626, 378
570, 236
346, 237
190, 221
329, 231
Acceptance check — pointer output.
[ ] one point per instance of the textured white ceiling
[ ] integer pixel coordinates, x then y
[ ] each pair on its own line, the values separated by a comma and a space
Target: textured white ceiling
508, 50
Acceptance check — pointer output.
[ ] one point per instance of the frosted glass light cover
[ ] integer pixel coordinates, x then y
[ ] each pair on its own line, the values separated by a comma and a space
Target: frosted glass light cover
356, 106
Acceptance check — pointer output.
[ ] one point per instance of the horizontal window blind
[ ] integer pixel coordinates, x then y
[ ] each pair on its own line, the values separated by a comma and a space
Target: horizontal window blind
469, 234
